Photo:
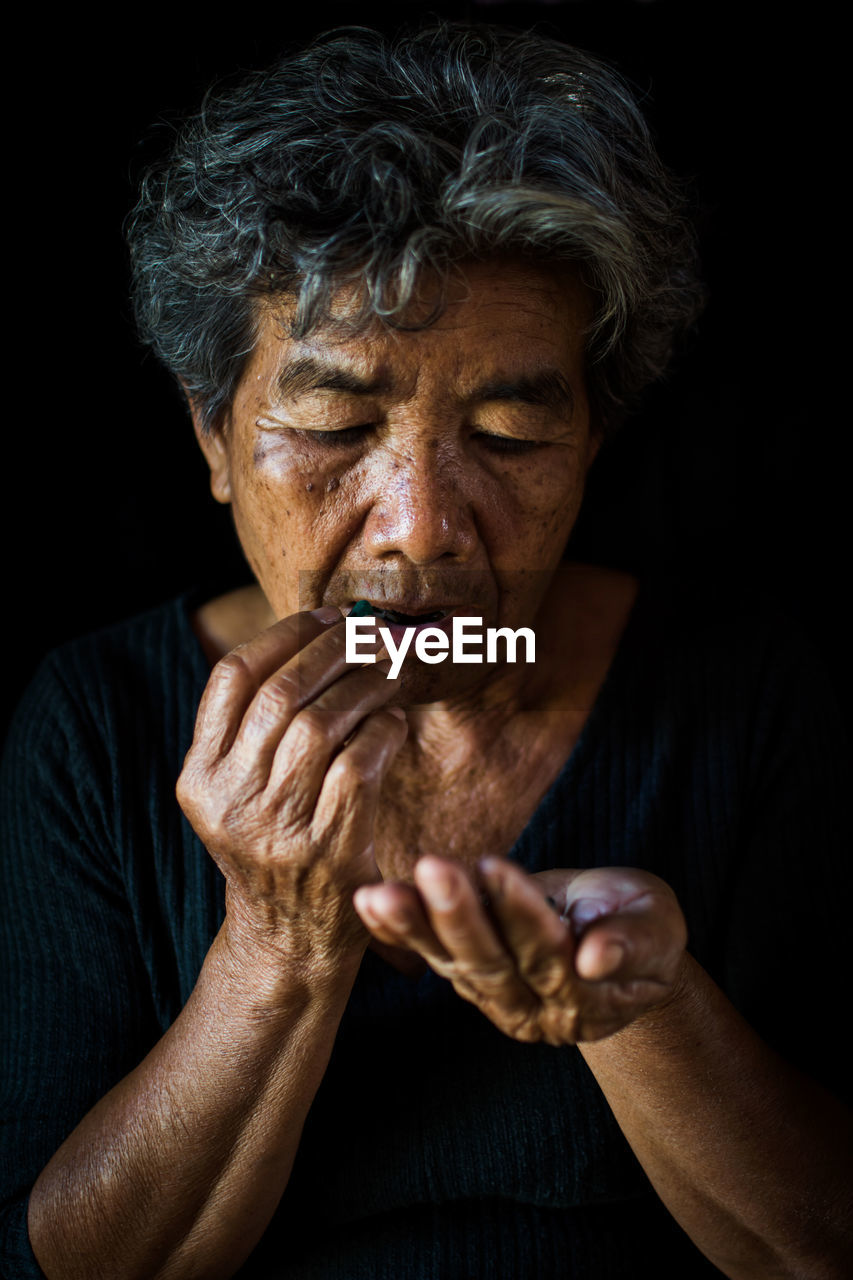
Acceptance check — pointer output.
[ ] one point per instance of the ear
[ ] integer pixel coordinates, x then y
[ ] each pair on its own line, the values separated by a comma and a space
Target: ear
596, 440
213, 443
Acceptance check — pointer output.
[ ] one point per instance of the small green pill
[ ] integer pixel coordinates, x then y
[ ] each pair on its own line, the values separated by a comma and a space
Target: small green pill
362, 609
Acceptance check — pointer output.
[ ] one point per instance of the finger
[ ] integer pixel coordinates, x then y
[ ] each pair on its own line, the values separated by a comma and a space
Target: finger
295, 749
540, 942
394, 914
289, 689
555, 885
401, 917
600, 891
642, 943
236, 678
455, 911
348, 800
479, 965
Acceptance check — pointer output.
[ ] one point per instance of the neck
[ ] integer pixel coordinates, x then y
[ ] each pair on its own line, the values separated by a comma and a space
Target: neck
455, 728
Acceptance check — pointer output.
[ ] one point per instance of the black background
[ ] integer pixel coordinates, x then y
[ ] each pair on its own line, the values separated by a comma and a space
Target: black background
733, 478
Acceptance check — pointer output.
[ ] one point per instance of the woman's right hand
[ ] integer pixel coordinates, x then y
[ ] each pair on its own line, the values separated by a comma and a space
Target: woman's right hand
178, 1169
282, 785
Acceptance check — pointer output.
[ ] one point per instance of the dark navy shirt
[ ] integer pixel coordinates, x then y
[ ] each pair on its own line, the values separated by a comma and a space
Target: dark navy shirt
436, 1148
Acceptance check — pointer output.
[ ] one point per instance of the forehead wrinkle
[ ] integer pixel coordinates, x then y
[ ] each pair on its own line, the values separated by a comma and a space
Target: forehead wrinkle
405, 365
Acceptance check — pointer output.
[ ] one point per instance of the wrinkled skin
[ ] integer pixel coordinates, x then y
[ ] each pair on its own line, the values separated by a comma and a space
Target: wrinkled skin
423, 471
419, 486
285, 809
611, 954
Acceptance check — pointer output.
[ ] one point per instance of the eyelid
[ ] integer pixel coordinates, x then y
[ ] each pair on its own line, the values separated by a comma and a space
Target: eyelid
343, 435
351, 435
272, 422
507, 444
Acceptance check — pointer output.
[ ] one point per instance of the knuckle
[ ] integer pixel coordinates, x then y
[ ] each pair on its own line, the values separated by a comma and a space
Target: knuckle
232, 669
561, 1024
351, 770
210, 814
189, 788
362, 773
184, 788
548, 977
216, 814
205, 818
521, 1026
315, 726
448, 970
490, 980
278, 696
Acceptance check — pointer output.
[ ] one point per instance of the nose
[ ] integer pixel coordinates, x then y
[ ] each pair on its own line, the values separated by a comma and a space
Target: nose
421, 509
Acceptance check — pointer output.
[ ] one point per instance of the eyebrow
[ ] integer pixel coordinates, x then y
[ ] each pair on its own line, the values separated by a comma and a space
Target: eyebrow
308, 374
548, 388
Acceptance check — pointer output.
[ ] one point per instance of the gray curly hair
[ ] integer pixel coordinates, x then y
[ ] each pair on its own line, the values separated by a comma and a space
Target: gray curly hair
371, 160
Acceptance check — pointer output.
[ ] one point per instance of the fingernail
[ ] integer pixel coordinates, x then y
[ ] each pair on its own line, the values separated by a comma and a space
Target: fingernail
328, 613
397, 711
584, 911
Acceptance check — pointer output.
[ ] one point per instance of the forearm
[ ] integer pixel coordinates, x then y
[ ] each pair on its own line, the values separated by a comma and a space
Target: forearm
178, 1170
751, 1158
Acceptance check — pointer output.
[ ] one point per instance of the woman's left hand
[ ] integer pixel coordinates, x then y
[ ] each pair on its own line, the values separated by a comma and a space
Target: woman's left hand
607, 948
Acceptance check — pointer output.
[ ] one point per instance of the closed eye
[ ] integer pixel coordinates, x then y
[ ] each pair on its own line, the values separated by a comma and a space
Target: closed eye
345, 436
506, 444
355, 435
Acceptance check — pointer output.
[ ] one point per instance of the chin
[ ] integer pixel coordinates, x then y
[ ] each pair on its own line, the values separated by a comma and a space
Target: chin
421, 683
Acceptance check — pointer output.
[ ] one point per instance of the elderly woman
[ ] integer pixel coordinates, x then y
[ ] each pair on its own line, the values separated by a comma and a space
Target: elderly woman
399, 984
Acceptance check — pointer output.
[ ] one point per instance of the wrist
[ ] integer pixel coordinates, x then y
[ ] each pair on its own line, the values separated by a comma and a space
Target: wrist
676, 1003
664, 1022
282, 965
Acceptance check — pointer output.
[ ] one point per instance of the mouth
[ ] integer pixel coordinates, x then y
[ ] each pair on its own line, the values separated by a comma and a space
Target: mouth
412, 616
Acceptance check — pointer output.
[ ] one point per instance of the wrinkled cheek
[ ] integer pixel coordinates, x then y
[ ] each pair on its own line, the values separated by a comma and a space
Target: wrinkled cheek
539, 510
294, 520
556, 515
273, 503
533, 540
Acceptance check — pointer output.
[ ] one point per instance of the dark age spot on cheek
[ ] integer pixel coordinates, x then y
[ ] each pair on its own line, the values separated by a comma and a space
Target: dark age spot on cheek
309, 487
332, 485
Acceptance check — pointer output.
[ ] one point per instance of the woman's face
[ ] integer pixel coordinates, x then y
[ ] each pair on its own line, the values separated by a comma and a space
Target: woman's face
424, 471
